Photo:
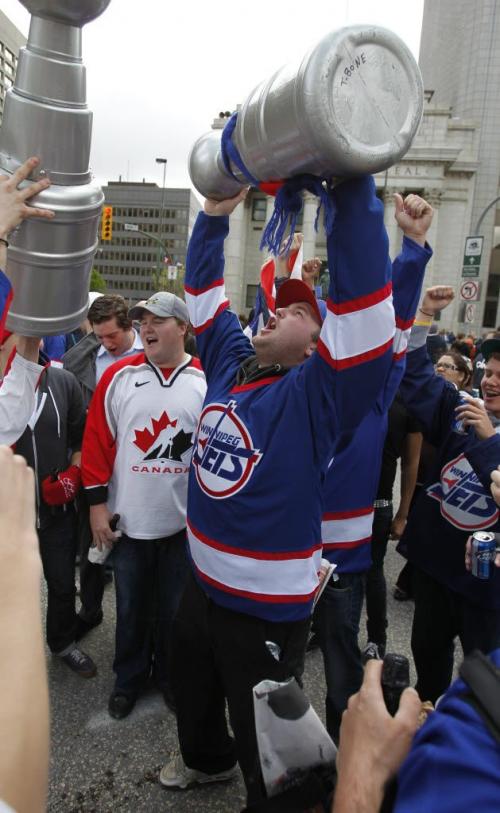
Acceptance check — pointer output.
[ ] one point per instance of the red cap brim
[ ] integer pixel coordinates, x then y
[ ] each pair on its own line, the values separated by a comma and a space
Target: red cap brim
294, 290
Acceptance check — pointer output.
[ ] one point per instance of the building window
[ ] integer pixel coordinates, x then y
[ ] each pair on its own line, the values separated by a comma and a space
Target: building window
259, 208
250, 297
493, 286
490, 313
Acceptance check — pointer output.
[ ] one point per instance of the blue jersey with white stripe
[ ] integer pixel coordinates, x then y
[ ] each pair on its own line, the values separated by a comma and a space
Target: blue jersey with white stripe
454, 762
262, 449
352, 480
456, 500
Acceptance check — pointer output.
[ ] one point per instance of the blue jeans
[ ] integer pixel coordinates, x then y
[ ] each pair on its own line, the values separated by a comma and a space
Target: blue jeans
150, 575
338, 615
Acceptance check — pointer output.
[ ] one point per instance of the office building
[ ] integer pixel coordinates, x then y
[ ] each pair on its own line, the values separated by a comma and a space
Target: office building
150, 232
11, 41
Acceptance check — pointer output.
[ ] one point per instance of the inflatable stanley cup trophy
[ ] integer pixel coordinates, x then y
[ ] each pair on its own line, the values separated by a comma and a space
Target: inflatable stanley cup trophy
351, 106
45, 114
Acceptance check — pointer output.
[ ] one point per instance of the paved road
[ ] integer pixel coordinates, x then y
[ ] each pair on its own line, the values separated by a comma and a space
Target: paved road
103, 765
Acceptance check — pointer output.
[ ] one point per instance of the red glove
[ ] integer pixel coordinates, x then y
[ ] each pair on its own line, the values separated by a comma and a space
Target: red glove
64, 489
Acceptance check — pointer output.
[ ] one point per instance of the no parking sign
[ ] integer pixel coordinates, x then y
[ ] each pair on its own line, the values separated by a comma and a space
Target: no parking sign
470, 291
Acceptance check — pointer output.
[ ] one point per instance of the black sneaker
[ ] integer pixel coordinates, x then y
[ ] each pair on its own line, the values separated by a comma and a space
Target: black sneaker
370, 653
120, 705
80, 663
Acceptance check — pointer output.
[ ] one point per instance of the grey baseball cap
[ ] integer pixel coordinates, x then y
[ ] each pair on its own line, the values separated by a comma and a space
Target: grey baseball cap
162, 304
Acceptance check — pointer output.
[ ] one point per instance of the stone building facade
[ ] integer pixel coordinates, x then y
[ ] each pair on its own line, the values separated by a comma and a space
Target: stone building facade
460, 60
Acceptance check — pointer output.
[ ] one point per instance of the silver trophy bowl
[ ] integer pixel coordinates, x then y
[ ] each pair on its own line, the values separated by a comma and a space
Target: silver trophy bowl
350, 106
46, 114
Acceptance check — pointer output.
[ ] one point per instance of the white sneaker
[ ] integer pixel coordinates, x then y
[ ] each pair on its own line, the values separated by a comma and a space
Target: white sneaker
175, 774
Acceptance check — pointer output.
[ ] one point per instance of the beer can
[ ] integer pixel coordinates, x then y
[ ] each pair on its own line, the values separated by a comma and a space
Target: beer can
458, 424
483, 553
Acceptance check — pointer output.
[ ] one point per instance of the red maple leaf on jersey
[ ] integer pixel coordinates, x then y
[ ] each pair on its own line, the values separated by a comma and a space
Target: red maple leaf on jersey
144, 438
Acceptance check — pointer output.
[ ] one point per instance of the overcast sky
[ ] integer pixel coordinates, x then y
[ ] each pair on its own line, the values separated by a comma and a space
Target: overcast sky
158, 71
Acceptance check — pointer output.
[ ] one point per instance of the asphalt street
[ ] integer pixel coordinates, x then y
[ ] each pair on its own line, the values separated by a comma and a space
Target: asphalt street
102, 765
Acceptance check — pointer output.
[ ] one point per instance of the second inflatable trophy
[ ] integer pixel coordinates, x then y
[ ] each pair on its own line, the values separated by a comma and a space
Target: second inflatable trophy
46, 114
350, 106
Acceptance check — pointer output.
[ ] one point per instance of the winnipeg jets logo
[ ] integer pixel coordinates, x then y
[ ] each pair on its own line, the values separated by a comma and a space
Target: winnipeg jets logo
224, 457
464, 502
164, 441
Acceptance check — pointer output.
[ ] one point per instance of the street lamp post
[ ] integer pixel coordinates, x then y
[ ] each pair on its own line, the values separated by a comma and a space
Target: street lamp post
164, 162
161, 245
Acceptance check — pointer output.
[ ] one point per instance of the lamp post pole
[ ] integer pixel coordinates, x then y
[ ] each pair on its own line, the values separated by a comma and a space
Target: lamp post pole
161, 245
164, 162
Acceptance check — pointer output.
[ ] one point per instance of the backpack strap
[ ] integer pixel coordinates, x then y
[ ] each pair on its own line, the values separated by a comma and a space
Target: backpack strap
483, 679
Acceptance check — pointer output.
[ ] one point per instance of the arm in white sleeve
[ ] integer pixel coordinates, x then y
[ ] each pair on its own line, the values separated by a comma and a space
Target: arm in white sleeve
17, 398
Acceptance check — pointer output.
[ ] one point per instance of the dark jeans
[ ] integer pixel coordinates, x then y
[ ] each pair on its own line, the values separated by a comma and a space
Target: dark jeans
91, 576
58, 553
376, 589
222, 654
338, 615
150, 575
440, 616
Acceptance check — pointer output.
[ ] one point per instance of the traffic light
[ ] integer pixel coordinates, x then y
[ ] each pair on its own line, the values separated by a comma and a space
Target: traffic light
107, 223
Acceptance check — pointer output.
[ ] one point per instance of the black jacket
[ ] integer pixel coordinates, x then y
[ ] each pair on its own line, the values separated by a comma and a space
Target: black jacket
80, 360
55, 431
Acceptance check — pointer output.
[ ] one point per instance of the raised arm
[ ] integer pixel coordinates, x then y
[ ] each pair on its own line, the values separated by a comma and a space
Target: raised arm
13, 202
219, 337
428, 396
355, 346
17, 394
414, 217
17, 391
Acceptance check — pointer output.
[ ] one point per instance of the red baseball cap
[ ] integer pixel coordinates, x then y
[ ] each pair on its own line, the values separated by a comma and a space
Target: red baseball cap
295, 290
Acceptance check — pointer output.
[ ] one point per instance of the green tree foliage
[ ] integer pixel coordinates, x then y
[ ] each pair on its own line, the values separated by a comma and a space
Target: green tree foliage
97, 282
161, 282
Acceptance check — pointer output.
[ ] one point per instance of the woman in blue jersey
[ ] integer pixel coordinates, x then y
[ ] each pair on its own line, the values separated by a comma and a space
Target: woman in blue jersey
454, 502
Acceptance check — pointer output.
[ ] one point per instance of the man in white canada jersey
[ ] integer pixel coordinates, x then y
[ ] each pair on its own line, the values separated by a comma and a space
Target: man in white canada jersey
135, 461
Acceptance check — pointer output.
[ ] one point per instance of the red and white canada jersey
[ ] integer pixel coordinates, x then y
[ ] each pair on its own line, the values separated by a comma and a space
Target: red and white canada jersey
138, 443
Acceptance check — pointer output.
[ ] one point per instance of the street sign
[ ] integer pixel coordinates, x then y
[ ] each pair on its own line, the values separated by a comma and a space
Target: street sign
130, 227
470, 271
172, 272
471, 263
470, 290
470, 313
473, 246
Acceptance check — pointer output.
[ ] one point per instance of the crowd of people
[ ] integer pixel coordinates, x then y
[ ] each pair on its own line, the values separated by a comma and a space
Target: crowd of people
213, 476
